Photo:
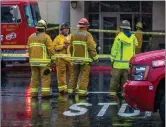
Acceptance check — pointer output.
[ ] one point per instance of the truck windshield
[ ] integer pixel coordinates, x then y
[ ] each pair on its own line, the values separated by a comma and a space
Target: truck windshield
10, 14
32, 14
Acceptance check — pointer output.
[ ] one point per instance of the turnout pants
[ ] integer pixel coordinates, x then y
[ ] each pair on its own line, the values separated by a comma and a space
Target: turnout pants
119, 77
82, 72
37, 75
62, 69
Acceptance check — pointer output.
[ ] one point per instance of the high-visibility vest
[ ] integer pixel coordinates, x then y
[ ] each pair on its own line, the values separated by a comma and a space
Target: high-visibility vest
42, 62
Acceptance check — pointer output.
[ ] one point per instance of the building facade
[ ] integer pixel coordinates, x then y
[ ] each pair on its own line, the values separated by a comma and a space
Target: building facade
108, 15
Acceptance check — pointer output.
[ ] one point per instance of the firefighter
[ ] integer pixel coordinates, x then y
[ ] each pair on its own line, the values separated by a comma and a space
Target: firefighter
139, 37
83, 53
40, 49
122, 50
61, 46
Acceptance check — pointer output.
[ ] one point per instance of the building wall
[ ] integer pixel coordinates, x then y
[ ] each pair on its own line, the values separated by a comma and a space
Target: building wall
50, 10
76, 14
158, 21
65, 12
158, 16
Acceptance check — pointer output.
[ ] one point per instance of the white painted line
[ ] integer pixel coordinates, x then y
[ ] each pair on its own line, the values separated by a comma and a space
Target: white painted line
80, 110
122, 110
104, 108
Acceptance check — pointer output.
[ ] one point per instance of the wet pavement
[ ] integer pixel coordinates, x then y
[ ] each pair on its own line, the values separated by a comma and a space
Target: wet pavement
19, 110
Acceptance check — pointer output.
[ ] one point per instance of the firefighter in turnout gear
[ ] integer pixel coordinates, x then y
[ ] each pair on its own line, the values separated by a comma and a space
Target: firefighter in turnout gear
139, 37
61, 46
40, 48
122, 50
83, 52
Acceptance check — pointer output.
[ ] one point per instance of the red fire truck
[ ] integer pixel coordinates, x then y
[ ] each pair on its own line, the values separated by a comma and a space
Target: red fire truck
18, 20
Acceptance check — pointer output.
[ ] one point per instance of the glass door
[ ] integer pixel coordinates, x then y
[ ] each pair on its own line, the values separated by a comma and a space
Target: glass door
109, 21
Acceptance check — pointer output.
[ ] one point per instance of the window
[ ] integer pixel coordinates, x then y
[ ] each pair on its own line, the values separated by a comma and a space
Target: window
120, 6
93, 6
28, 16
32, 14
146, 6
35, 12
94, 21
10, 14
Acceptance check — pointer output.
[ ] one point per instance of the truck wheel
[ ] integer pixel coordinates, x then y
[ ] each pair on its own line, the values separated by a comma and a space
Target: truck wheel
162, 109
3, 64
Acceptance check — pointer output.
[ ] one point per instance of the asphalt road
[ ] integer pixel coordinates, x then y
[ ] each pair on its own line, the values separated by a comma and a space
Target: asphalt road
19, 110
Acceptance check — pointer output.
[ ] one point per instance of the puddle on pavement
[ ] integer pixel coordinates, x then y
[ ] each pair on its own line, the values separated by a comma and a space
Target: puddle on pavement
18, 109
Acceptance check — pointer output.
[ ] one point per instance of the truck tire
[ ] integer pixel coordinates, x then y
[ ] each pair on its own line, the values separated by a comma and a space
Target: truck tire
3, 64
162, 109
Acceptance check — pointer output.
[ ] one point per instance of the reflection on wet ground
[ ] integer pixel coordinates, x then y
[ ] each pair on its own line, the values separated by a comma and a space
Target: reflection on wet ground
19, 110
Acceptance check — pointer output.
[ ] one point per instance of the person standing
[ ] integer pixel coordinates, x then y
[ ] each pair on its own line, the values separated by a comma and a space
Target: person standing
122, 50
139, 37
40, 49
83, 52
61, 47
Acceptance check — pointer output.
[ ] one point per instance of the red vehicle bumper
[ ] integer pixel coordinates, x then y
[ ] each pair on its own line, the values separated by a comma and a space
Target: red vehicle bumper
139, 94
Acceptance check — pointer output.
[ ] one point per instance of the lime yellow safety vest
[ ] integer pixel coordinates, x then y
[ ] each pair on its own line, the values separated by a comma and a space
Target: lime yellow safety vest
122, 50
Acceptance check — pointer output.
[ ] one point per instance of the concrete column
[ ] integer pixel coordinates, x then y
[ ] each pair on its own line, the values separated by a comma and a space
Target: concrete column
64, 12
76, 14
158, 15
158, 23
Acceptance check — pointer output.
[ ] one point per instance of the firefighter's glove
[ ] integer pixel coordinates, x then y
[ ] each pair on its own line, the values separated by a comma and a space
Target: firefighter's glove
47, 71
96, 59
66, 45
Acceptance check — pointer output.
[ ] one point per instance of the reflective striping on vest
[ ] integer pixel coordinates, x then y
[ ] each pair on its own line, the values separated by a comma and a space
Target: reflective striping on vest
81, 43
34, 90
39, 45
80, 59
45, 89
39, 60
61, 56
134, 46
121, 51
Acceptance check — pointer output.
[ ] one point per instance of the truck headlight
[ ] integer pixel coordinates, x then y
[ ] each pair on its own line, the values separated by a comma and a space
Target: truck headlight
139, 72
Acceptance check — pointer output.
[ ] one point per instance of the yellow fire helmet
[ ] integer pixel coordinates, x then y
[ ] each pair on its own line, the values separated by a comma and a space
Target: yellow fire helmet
42, 24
